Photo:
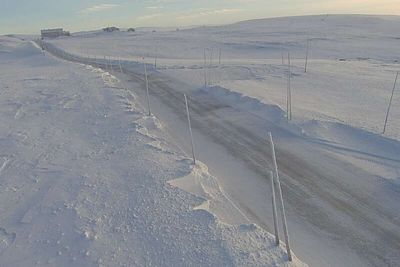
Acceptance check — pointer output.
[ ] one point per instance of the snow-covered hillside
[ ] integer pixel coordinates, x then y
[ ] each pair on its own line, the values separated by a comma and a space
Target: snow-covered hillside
353, 62
84, 177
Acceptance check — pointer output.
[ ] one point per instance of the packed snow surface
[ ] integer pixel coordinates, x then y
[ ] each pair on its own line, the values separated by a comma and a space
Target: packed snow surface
84, 177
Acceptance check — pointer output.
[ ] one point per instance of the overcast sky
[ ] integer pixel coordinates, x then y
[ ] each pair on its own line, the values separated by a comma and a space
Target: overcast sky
29, 16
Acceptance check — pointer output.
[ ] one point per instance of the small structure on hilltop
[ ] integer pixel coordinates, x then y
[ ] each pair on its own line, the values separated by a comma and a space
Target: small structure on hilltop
54, 33
111, 29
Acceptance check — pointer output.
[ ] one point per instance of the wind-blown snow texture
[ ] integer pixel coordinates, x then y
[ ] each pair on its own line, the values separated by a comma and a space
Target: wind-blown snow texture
83, 177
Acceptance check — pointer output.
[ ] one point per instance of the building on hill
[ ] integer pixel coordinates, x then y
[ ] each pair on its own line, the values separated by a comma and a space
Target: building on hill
54, 33
111, 29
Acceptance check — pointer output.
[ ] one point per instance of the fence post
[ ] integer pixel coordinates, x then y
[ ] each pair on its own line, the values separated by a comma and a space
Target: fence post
390, 103
190, 129
271, 175
285, 229
147, 88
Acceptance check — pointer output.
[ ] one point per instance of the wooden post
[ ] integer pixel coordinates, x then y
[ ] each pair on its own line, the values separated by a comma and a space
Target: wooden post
285, 229
147, 88
271, 175
390, 103
190, 129
219, 57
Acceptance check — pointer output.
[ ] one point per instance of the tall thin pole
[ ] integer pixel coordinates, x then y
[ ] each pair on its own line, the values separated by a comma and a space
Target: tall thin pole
147, 89
210, 66
190, 129
111, 67
219, 57
308, 48
205, 68
120, 66
271, 175
390, 103
289, 93
155, 57
285, 229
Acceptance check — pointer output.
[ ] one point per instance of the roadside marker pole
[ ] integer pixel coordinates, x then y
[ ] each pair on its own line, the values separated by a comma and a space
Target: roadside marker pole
190, 129
111, 68
120, 66
285, 229
147, 88
308, 48
105, 63
205, 68
390, 103
211, 67
271, 175
155, 57
289, 93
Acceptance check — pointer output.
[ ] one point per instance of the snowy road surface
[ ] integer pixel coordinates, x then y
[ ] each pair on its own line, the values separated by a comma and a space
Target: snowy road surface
341, 176
328, 192
337, 208
84, 177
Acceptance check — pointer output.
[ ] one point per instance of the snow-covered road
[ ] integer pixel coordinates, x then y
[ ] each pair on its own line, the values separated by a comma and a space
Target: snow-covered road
322, 190
84, 177
341, 212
